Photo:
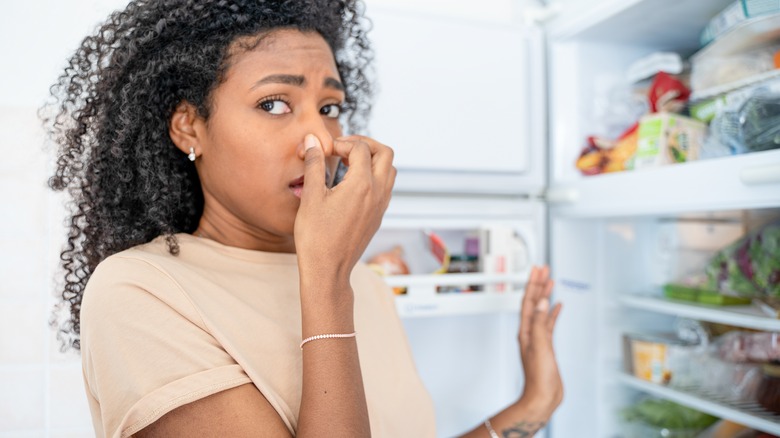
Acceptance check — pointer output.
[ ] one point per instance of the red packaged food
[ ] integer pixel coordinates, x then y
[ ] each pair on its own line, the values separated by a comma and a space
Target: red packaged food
667, 93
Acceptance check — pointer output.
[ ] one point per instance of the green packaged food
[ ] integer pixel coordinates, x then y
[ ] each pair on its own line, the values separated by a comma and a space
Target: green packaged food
704, 296
678, 292
672, 418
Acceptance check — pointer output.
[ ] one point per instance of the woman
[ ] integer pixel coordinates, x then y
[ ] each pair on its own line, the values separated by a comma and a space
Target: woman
212, 265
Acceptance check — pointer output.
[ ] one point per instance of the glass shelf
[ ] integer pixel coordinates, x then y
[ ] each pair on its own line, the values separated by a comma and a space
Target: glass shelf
746, 181
746, 413
741, 316
732, 86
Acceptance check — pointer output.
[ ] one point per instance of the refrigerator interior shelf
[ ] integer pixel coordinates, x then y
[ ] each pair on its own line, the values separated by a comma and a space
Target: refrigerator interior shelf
741, 316
449, 304
704, 185
635, 21
748, 414
769, 174
750, 34
712, 92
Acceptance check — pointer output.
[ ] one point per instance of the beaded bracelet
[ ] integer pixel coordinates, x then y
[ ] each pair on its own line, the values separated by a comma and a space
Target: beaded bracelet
327, 336
489, 427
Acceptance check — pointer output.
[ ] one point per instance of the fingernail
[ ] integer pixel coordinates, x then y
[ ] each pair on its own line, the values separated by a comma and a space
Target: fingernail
543, 305
311, 141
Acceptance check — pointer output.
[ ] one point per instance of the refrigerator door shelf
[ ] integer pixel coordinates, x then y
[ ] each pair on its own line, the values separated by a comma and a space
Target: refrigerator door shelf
742, 316
749, 181
748, 414
413, 305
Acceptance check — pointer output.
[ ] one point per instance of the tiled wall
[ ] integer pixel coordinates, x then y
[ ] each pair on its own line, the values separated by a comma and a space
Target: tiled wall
41, 389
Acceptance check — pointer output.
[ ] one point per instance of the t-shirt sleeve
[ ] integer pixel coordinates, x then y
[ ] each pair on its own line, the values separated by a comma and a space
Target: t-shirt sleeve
145, 348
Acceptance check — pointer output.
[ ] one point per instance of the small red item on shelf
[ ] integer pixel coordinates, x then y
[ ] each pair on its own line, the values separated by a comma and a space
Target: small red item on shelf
667, 93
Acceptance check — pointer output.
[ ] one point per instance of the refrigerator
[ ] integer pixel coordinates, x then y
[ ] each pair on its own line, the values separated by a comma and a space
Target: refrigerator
487, 106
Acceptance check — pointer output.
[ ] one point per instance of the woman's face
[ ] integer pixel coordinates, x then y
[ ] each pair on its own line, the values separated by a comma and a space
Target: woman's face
250, 149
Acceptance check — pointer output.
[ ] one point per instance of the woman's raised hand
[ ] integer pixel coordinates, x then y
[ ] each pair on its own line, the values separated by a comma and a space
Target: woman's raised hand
334, 225
543, 385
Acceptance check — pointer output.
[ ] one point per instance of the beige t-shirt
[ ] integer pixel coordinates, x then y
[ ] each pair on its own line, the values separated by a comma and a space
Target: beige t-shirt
159, 331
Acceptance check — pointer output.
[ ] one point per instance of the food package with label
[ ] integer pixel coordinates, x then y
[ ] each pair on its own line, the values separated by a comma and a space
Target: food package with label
667, 138
605, 156
659, 358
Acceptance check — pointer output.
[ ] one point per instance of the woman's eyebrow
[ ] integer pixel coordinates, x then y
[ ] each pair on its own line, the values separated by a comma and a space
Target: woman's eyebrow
333, 83
281, 79
297, 80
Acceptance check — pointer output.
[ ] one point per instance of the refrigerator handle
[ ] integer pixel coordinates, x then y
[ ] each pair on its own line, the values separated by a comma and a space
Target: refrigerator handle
561, 195
764, 174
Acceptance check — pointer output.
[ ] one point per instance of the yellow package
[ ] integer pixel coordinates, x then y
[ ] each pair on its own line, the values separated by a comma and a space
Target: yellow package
649, 361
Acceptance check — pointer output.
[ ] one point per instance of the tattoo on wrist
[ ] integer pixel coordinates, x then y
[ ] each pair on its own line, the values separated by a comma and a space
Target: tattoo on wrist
523, 429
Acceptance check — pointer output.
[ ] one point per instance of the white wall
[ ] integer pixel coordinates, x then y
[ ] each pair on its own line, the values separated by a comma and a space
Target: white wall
41, 389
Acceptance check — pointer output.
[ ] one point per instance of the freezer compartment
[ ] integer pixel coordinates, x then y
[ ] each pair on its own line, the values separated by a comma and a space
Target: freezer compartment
446, 141
603, 105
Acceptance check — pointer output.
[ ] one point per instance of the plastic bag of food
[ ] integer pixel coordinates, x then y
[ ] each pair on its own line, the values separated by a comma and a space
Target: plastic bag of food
740, 346
710, 71
732, 368
750, 266
759, 122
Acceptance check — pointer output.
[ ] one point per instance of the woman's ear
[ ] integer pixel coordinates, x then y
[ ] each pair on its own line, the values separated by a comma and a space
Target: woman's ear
182, 128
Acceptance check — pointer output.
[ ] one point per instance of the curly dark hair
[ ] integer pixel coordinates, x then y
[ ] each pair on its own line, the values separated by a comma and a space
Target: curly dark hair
112, 105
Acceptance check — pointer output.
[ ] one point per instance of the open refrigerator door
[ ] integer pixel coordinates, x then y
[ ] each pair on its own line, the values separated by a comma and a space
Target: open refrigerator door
462, 106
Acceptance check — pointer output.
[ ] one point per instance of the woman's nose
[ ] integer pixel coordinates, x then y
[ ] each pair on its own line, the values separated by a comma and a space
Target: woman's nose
316, 125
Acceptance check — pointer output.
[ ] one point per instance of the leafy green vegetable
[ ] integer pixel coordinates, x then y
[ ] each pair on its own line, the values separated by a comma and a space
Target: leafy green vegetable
749, 266
667, 414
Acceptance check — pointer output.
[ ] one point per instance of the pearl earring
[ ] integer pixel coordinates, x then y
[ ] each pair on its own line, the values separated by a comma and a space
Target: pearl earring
191, 156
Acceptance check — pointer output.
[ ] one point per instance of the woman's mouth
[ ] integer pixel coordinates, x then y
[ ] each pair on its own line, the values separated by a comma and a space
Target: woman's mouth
296, 186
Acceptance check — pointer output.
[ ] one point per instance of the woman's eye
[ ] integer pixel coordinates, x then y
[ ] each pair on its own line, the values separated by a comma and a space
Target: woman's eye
333, 111
275, 107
